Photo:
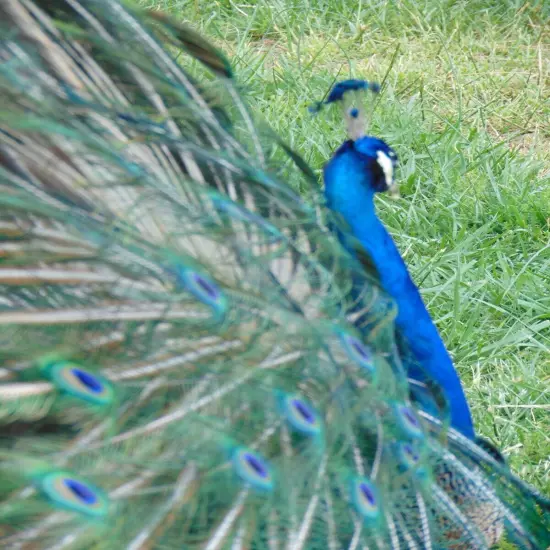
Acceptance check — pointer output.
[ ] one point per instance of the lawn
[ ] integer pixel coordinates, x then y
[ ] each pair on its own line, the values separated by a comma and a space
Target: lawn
465, 102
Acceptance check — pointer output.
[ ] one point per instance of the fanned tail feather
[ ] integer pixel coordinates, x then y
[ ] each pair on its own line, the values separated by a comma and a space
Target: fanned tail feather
181, 359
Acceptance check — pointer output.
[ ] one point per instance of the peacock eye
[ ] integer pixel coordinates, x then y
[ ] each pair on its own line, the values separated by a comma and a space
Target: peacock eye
81, 491
365, 499
81, 383
70, 492
408, 421
301, 415
410, 452
358, 352
207, 286
408, 456
88, 380
252, 468
203, 288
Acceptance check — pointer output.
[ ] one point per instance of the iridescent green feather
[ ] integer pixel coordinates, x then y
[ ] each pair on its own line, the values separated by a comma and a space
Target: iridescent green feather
181, 365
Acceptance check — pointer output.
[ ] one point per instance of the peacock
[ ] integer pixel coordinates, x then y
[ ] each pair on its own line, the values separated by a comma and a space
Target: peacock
193, 355
360, 168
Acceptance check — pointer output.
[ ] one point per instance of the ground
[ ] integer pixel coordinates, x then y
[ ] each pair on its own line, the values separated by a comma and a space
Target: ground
465, 104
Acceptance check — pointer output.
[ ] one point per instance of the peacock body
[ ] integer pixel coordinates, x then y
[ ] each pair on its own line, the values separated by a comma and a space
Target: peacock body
356, 162
191, 358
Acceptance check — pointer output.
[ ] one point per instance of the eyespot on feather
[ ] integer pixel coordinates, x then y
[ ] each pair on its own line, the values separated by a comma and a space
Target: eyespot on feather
300, 415
252, 468
203, 288
73, 493
407, 421
358, 352
79, 382
408, 456
366, 499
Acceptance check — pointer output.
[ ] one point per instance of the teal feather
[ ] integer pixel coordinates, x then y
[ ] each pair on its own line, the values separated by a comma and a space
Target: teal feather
190, 357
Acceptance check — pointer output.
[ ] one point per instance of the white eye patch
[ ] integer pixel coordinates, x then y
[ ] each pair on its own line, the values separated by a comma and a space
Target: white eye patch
386, 163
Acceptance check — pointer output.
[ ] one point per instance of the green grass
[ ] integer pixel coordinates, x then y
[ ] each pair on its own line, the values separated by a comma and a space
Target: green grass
465, 104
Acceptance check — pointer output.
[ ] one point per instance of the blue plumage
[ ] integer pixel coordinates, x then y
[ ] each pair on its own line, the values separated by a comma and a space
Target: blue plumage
357, 171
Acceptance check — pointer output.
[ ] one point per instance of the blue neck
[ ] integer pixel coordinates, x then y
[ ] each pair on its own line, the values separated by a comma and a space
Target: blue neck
348, 194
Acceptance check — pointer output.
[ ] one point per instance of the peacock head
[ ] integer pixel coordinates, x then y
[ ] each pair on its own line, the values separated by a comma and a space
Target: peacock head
380, 162
373, 157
